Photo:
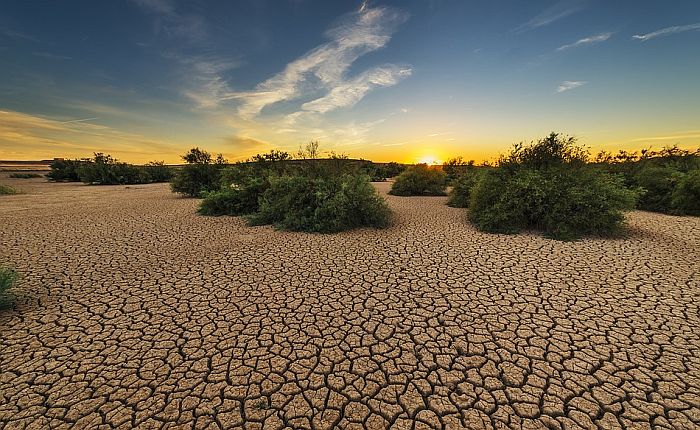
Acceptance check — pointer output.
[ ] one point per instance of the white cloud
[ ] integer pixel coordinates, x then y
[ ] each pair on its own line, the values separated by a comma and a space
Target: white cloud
570, 85
558, 11
324, 67
602, 37
667, 31
348, 93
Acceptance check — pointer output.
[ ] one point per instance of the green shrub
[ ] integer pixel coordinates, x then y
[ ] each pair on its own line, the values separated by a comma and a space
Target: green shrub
65, 170
456, 167
547, 186
462, 185
376, 172
393, 169
657, 184
235, 200
201, 174
25, 175
7, 190
103, 169
157, 171
685, 199
8, 278
420, 180
323, 205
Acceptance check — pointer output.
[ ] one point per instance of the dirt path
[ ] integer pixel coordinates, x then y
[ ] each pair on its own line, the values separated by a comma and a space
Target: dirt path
135, 312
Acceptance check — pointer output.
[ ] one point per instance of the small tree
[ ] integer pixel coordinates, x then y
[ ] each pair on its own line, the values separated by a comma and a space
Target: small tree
200, 175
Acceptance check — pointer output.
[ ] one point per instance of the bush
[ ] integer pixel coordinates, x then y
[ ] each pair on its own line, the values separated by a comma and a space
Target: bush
393, 169
8, 278
547, 186
157, 171
103, 169
685, 199
322, 205
460, 196
420, 180
65, 170
7, 190
200, 175
376, 172
456, 167
234, 200
657, 184
25, 175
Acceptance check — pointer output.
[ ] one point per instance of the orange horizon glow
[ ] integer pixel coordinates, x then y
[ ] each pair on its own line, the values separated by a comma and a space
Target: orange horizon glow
25, 137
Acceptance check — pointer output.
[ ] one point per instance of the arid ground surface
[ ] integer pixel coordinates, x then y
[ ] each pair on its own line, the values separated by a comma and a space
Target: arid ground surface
135, 312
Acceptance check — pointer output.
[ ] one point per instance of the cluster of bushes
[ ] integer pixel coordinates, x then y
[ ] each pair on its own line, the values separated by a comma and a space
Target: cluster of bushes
309, 196
420, 180
381, 172
25, 175
8, 278
669, 180
547, 186
6, 190
103, 169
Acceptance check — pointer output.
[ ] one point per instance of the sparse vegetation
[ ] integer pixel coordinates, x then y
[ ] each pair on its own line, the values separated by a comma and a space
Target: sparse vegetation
6, 190
462, 185
8, 278
685, 199
304, 197
420, 180
66, 170
322, 205
547, 186
454, 168
103, 169
663, 177
201, 174
25, 175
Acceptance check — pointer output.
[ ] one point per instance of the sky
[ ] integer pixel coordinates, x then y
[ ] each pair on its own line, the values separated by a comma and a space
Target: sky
385, 80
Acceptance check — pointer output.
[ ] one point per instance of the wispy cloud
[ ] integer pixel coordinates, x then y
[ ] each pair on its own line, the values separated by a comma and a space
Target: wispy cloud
324, 67
206, 84
174, 23
692, 134
667, 31
348, 93
79, 120
570, 85
598, 38
50, 56
17, 35
558, 11
24, 136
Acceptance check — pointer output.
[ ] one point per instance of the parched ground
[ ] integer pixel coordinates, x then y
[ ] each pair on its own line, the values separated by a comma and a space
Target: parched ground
135, 312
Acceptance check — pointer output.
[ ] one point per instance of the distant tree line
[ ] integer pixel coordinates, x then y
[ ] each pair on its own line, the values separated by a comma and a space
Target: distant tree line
103, 169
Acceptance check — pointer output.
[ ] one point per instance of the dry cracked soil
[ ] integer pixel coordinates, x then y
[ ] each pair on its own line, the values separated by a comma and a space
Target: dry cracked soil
135, 312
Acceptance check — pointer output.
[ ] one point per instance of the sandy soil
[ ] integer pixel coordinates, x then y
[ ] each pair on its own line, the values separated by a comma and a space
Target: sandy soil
135, 312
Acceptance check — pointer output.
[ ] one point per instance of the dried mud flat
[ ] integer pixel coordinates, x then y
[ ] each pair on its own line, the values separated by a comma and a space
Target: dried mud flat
135, 312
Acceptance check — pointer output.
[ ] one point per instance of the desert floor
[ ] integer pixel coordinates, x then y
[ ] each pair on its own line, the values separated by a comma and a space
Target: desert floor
135, 312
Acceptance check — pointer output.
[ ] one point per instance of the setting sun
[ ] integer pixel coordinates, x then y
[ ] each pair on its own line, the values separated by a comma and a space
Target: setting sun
429, 160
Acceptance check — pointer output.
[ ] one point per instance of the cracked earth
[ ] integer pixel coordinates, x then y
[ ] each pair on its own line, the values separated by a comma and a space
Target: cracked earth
135, 312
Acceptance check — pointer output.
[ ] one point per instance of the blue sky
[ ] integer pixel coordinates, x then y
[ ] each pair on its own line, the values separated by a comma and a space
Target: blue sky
383, 80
